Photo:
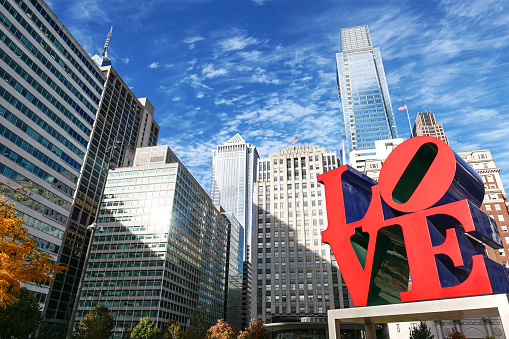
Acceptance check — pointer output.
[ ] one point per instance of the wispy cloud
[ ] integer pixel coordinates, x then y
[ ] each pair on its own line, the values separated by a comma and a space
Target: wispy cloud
209, 72
192, 40
154, 65
237, 42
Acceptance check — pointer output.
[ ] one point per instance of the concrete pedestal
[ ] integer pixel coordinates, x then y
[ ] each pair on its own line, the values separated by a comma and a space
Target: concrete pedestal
496, 305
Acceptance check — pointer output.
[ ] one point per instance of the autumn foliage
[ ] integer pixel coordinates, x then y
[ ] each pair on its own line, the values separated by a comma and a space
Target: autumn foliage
255, 330
221, 330
21, 261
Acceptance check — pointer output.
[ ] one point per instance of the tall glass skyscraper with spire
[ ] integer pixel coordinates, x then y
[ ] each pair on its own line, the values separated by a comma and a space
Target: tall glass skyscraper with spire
233, 176
363, 92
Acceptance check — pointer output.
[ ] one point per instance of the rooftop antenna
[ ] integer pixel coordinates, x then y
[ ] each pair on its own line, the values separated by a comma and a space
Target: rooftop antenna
106, 44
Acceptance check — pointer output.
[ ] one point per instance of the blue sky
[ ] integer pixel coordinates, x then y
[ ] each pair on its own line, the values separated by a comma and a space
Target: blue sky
266, 68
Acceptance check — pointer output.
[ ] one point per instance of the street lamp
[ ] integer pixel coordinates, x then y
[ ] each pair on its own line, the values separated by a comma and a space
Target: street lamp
93, 227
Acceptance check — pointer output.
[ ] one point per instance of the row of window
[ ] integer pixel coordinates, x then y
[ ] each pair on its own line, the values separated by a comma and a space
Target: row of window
41, 140
48, 82
38, 103
84, 59
46, 62
140, 187
140, 179
41, 226
13, 156
20, 142
28, 112
34, 187
37, 206
43, 125
141, 172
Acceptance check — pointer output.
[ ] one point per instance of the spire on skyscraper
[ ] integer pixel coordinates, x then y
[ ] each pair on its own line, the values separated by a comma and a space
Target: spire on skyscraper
107, 43
102, 59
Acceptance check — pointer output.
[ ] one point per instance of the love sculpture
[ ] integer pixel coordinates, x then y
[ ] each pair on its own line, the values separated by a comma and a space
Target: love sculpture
420, 223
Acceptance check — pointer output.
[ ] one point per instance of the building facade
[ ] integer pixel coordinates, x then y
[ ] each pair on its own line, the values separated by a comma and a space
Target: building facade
295, 274
163, 252
234, 266
426, 124
123, 119
233, 175
495, 202
370, 161
59, 111
48, 108
363, 92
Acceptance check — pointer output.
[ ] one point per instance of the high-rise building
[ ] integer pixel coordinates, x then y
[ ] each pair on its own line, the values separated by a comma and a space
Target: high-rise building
128, 121
163, 250
50, 95
295, 274
234, 265
363, 92
370, 161
233, 175
495, 202
426, 124
59, 113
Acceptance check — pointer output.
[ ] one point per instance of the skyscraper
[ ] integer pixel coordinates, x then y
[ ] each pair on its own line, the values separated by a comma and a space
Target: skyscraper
50, 95
233, 175
363, 92
59, 113
163, 250
426, 124
295, 275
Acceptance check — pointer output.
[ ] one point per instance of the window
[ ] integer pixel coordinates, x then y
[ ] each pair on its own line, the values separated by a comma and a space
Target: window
507, 240
488, 207
497, 207
500, 217
501, 252
504, 228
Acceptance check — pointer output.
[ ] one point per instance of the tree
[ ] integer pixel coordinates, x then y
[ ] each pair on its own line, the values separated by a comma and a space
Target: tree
221, 330
146, 329
21, 261
255, 330
455, 334
172, 330
98, 324
421, 332
20, 319
198, 328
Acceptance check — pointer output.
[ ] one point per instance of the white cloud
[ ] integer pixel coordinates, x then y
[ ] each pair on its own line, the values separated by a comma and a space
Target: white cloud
126, 60
237, 42
200, 95
209, 71
192, 40
175, 99
154, 65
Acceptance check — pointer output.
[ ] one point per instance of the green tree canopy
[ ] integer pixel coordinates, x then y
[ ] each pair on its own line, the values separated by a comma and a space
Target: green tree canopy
21, 319
421, 332
98, 324
172, 330
146, 329
198, 328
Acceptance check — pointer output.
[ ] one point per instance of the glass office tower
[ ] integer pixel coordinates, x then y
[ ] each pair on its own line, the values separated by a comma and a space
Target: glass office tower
163, 251
363, 93
233, 175
49, 98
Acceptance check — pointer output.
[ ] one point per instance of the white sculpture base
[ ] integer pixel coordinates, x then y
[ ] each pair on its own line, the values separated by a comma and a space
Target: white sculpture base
496, 305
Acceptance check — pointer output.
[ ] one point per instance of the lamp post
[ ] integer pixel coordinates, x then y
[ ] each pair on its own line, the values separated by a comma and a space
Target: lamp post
92, 227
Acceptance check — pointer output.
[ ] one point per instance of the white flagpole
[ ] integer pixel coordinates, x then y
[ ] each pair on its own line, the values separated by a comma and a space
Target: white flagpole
409, 123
